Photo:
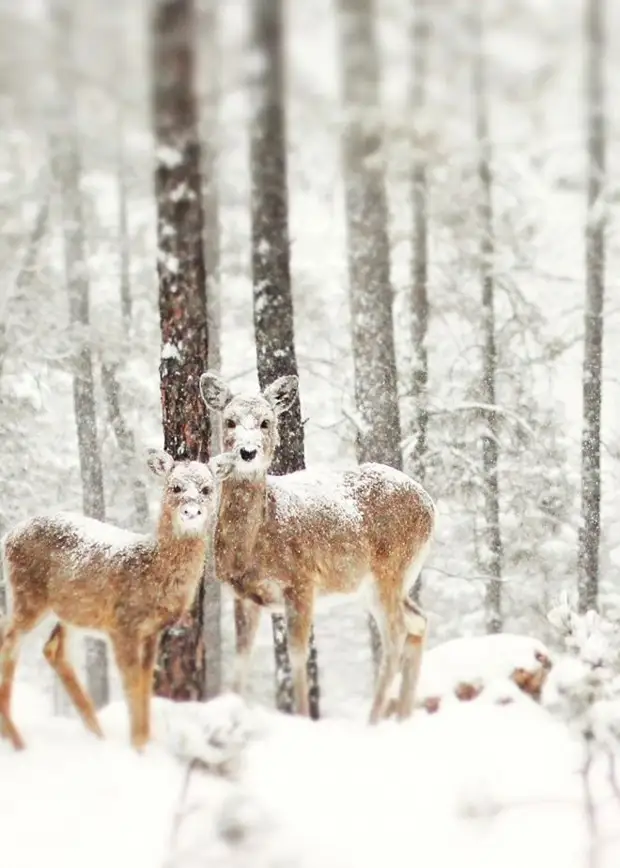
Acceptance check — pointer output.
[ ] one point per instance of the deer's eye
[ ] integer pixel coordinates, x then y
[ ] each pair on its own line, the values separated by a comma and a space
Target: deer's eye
264, 424
230, 423
205, 490
177, 489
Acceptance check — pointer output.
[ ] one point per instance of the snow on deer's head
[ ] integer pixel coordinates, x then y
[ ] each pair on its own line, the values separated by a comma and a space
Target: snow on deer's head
250, 422
190, 495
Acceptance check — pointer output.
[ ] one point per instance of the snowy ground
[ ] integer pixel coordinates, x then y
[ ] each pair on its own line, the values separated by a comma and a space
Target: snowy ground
478, 784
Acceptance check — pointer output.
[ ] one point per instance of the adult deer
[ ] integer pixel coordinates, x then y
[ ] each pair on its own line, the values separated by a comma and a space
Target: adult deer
98, 577
281, 541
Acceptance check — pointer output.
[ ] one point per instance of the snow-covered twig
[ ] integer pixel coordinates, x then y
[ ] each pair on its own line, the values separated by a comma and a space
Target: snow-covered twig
476, 578
590, 807
179, 814
466, 406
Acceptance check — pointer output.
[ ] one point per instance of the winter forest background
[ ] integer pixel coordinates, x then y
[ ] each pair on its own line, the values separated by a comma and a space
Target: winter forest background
453, 223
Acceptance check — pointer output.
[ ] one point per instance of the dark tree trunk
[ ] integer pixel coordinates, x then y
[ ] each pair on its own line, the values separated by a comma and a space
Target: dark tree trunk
273, 303
419, 300
378, 435
590, 528
66, 168
210, 115
182, 302
492, 545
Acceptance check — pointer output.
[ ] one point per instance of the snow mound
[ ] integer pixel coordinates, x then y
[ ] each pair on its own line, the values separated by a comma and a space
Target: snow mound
465, 668
481, 784
211, 734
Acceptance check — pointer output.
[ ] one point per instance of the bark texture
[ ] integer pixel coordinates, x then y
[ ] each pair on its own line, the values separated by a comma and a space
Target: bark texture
491, 554
590, 528
371, 294
182, 299
419, 276
273, 302
419, 281
210, 126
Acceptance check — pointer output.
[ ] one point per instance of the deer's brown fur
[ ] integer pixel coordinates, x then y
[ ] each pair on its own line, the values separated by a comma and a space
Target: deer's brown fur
95, 576
281, 542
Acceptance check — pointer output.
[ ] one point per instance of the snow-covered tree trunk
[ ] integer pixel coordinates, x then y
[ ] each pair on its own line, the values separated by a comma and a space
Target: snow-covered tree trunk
126, 444
492, 541
273, 302
66, 169
182, 301
123, 433
419, 276
22, 281
210, 124
24, 276
371, 295
590, 528
374, 359
124, 242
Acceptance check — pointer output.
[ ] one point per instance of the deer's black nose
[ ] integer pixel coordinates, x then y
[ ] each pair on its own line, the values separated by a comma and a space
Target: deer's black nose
247, 454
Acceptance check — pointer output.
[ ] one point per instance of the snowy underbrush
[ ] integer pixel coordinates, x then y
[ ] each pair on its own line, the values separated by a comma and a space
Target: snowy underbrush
476, 784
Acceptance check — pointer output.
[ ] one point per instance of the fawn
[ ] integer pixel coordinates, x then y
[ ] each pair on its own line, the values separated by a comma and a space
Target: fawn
281, 541
98, 577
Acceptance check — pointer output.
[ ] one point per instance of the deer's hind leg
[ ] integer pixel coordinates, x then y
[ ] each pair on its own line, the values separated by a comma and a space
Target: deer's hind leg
416, 623
55, 651
247, 619
417, 628
387, 611
9, 652
27, 613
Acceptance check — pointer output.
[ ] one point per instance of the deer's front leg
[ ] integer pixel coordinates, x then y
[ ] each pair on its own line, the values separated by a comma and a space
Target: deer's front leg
299, 625
129, 656
247, 617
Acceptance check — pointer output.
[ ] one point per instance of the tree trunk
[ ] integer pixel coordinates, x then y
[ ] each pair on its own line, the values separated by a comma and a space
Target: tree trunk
126, 444
374, 358
378, 435
123, 210
109, 380
22, 282
210, 114
419, 300
273, 303
66, 168
182, 301
492, 546
590, 528
24, 275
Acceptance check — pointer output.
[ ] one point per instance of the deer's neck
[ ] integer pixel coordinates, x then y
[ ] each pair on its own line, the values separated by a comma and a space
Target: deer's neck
242, 514
181, 557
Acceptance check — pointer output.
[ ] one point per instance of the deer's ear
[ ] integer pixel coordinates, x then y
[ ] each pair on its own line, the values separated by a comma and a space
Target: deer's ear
281, 393
214, 391
159, 462
221, 466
